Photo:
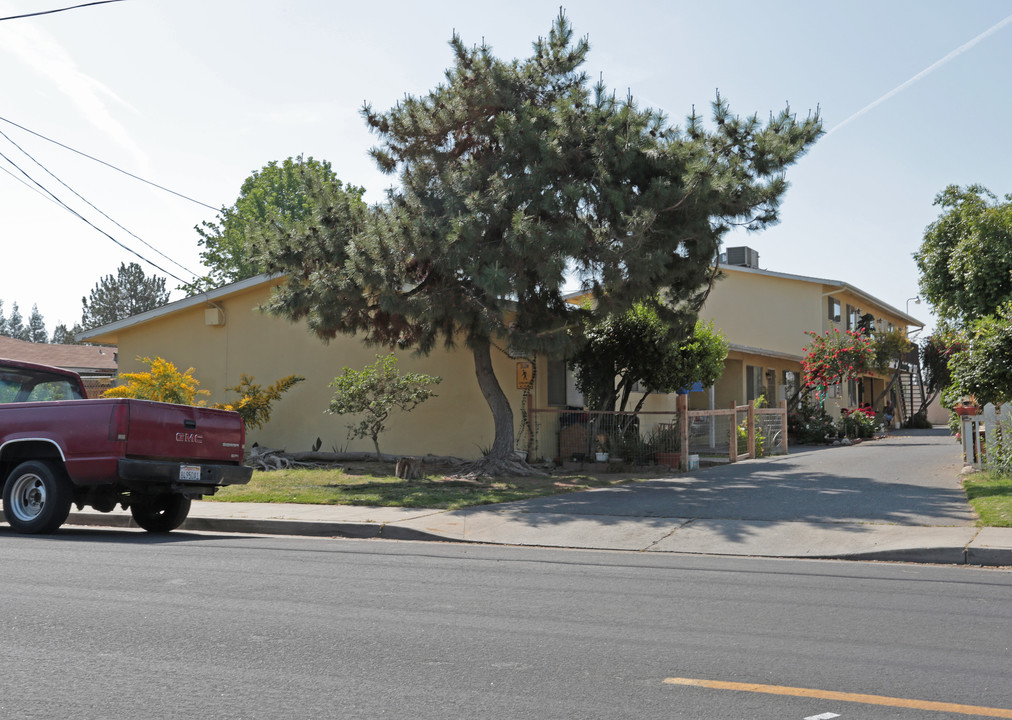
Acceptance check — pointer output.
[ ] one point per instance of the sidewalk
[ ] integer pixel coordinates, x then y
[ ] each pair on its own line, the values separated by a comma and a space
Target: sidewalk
511, 525
898, 498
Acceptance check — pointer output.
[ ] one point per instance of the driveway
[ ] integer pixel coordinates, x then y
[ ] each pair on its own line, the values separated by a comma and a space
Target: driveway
909, 478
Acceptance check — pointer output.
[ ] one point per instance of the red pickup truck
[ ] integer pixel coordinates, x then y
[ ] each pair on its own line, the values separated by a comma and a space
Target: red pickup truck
58, 449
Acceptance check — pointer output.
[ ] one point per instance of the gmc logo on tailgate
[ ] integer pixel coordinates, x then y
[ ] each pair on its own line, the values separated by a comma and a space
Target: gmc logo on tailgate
190, 438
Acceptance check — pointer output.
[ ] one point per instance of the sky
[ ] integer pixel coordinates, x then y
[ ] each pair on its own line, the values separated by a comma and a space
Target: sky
194, 96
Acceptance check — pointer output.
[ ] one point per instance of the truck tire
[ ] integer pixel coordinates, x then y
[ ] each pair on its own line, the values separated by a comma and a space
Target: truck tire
160, 513
37, 497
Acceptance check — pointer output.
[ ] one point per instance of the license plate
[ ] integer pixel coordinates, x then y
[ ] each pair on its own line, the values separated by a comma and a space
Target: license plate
189, 472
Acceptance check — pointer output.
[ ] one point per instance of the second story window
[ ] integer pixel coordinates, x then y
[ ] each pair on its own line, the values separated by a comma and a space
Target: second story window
834, 309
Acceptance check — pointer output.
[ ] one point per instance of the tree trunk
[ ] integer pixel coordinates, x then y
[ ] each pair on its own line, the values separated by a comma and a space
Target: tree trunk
498, 403
501, 460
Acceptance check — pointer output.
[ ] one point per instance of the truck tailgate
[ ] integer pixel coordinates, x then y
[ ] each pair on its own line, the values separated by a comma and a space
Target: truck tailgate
160, 430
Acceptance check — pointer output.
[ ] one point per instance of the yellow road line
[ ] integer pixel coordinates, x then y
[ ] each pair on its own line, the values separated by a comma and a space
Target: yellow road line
844, 697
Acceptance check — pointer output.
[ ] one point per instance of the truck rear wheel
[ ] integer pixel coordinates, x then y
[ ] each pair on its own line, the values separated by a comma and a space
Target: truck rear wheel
160, 513
37, 497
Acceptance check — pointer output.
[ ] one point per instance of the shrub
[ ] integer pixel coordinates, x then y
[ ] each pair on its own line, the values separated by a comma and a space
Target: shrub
254, 402
811, 424
858, 424
163, 383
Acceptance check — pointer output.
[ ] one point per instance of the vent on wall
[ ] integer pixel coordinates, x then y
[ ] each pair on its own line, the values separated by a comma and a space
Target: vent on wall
743, 257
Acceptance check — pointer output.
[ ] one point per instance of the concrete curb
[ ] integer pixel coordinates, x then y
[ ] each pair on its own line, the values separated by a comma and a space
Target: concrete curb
260, 526
971, 555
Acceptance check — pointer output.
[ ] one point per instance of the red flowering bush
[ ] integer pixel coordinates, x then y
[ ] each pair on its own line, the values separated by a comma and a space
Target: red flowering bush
835, 357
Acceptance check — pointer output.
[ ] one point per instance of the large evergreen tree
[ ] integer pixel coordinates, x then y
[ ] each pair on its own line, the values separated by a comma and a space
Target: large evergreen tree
62, 335
36, 329
515, 174
119, 296
16, 324
276, 193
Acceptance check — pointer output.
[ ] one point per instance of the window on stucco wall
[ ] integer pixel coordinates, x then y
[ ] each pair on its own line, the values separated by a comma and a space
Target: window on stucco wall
834, 309
753, 382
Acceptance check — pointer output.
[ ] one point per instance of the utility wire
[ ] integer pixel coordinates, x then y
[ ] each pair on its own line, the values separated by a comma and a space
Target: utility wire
92, 206
109, 165
86, 220
50, 12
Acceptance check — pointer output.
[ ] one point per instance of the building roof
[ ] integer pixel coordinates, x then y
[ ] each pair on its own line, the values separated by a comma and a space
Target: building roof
107, 333
82, 359
835, 285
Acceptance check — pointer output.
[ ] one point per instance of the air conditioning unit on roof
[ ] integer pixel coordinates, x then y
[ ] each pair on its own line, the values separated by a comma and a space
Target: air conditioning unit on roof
743, 256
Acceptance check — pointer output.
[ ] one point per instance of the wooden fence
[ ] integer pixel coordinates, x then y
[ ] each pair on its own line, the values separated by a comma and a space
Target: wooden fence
677, 439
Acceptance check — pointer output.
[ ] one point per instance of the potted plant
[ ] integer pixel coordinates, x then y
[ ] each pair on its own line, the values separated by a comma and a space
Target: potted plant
602, 448
966, 406
668, 442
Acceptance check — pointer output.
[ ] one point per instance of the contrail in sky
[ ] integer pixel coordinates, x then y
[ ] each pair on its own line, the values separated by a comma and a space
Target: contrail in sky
931, 68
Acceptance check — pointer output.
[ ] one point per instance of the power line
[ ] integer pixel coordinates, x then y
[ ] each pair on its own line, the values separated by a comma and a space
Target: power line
109, 165
83, 199
86, 220
50, 12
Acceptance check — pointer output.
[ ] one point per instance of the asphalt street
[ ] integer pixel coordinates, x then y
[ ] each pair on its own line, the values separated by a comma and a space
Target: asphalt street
112, 624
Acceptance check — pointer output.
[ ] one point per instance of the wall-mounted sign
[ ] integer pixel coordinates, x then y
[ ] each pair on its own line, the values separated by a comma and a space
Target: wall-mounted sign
525, 375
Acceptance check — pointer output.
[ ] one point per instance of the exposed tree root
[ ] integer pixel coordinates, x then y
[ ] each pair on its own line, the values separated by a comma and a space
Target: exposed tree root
493, 467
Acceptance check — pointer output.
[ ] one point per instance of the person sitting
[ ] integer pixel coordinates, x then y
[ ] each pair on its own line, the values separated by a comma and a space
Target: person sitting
889, 413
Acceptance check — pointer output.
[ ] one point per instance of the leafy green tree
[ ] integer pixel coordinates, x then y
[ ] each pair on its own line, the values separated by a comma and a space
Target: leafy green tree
965, 263
983, 367
513, 174
115, 297
965, 260
37, 332
636, 347
16, 324
375, 391
278, 193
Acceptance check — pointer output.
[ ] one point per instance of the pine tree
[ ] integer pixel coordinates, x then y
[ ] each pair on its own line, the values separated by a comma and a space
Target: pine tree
16, 324
36, 329
130, 292
3, 320
64, 336
513, 174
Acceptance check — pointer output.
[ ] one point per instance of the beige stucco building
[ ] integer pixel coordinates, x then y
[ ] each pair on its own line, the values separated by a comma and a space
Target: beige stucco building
223, 334
764, 316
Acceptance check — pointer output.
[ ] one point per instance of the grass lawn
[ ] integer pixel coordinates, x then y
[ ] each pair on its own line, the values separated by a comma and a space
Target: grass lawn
991, 496
375, 484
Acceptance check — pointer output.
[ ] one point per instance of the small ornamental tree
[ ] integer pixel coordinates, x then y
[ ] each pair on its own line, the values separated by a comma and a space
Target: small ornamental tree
163, 383
637, 347
375, 391
254, 402
835, 357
